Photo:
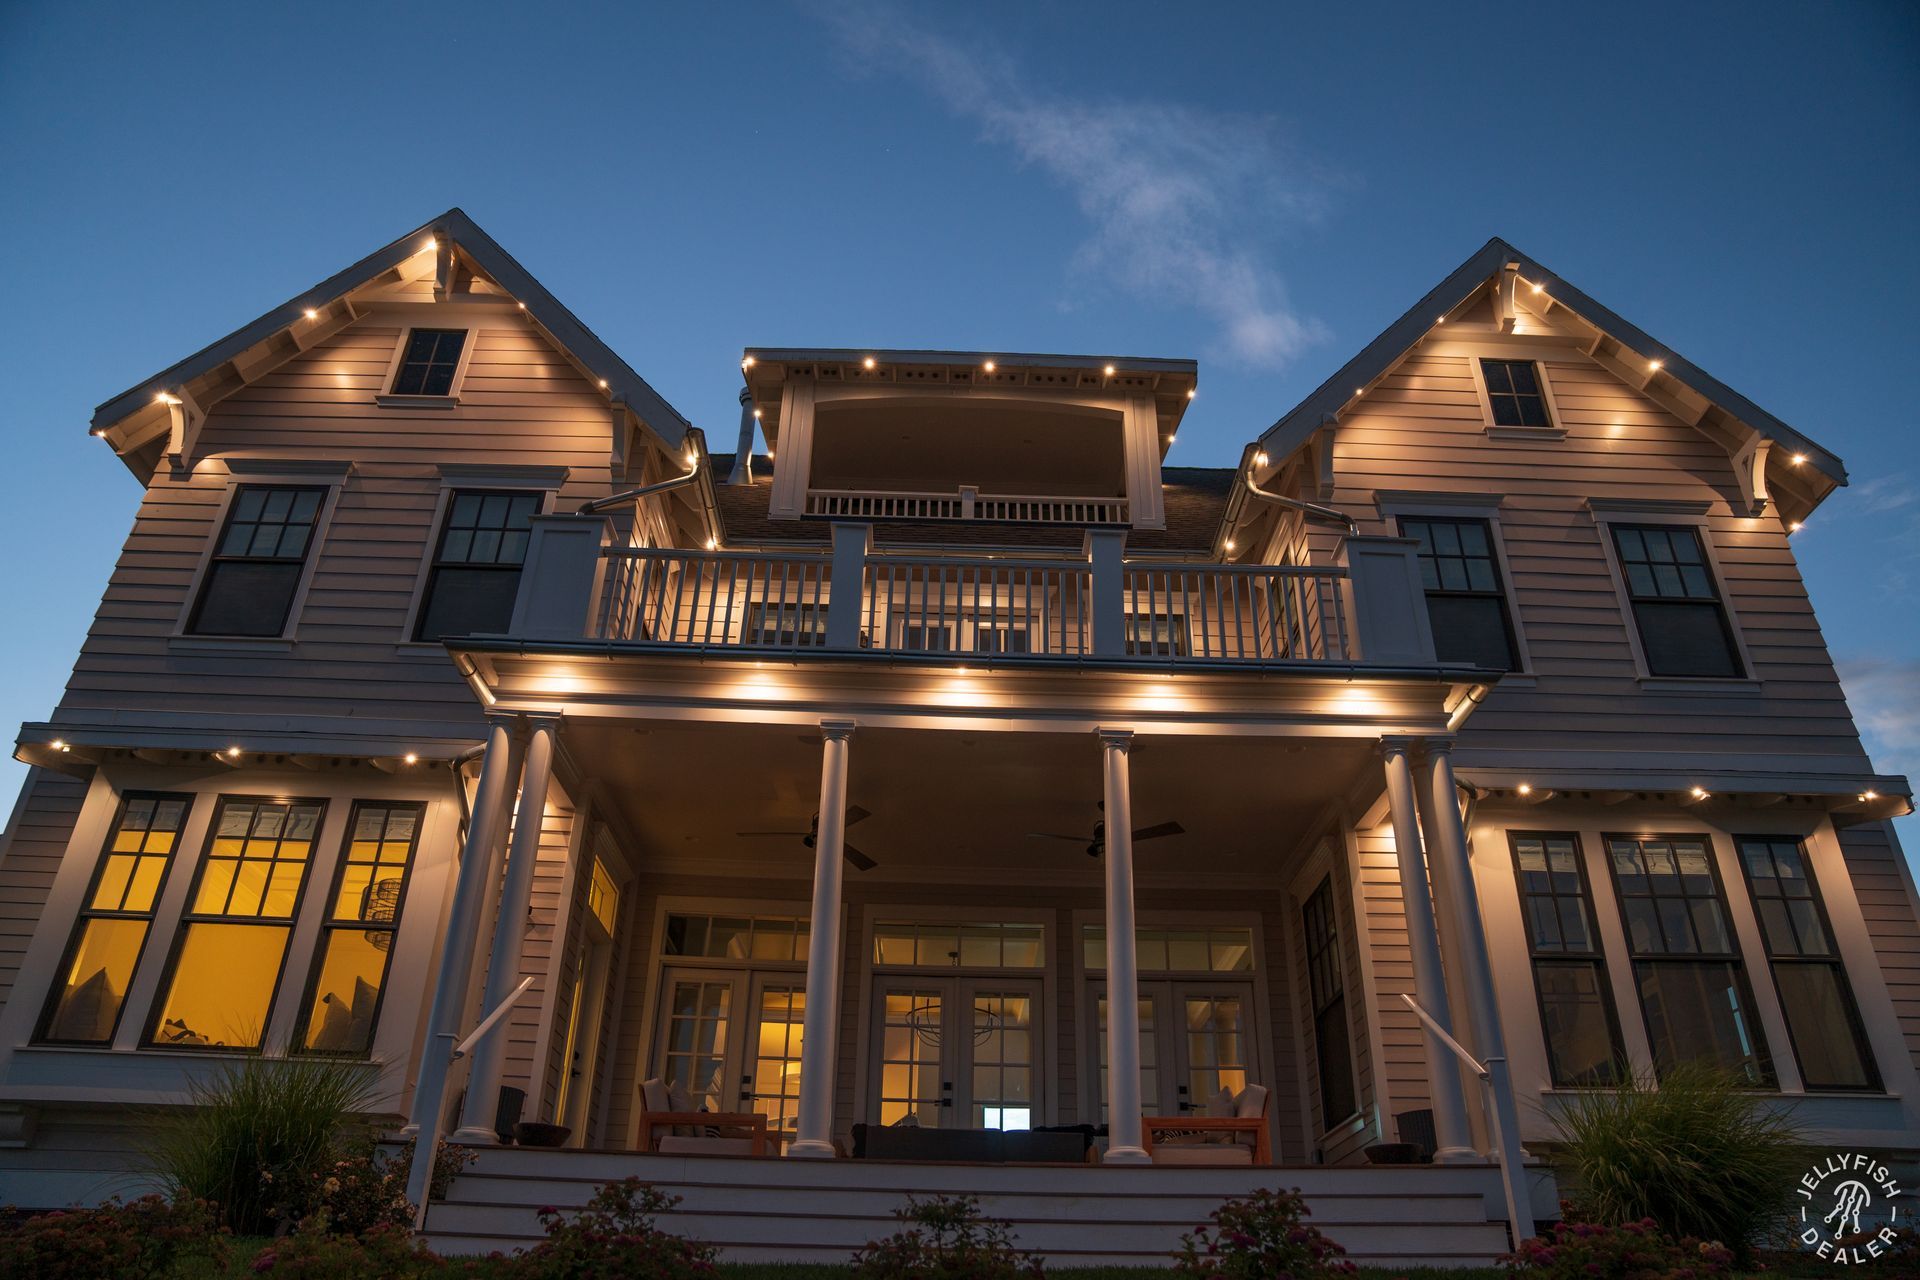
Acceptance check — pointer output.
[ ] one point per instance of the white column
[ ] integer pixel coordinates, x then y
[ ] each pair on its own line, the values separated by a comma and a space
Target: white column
821, 1028
1452, 1131
1123, 970
509, 937
1448, 835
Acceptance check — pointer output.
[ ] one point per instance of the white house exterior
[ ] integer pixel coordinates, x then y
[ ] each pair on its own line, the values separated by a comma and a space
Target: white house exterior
819, 740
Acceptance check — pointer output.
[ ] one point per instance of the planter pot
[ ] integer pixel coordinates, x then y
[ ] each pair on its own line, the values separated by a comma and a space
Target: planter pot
532, 1133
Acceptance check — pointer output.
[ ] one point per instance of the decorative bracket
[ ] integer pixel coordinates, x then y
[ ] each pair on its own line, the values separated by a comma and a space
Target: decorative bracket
1750, 469
185, 417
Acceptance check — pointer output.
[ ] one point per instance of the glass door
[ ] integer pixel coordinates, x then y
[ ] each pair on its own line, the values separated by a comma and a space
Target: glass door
772, 1087
1196, 1038
699, 1041
997, 1058
912, 1052
957, 1052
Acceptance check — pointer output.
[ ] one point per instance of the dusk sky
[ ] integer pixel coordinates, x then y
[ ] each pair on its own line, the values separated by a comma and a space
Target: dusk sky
1261, 188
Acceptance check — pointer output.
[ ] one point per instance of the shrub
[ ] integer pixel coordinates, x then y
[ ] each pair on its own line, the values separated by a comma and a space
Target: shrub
1258, 1237
1632, 1251
316, 1252
362, 1190
1699, 1155
145, 1240
950, 1240
256, 1135
615, 1236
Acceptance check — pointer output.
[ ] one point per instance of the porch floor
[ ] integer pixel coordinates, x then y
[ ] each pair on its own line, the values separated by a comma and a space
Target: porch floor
771, 1210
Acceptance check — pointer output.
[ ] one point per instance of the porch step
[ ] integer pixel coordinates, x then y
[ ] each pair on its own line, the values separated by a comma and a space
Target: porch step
821, 1211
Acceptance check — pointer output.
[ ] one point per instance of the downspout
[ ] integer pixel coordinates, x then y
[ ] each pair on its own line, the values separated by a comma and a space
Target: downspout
1311, 510
458, 767
696, 452
743, 452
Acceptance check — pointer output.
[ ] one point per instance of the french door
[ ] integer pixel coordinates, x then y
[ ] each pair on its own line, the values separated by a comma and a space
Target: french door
731, 1039
956, 1053
1196, 1038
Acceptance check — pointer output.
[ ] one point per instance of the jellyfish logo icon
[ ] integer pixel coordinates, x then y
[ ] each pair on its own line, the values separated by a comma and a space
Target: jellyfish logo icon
1850, 1208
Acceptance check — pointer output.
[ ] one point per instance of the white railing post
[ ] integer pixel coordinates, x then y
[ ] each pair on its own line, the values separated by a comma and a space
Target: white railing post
1105, 549
558, 578
1389, 603
846, 591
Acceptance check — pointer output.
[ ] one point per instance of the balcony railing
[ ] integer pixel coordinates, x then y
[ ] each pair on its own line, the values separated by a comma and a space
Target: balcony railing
1101, 606
967, 503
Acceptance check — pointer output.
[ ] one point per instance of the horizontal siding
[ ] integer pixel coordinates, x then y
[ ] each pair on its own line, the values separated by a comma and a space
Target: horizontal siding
1873, 857
36, 842
1403, 1047
521, 404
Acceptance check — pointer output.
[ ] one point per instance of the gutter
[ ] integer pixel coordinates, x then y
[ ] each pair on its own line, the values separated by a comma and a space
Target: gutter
696, 472
1311, 510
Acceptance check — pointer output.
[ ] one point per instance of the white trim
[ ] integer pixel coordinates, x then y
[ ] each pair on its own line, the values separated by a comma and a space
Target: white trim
1393, 505
1474, 353
1606, 514
331, 482
468, 325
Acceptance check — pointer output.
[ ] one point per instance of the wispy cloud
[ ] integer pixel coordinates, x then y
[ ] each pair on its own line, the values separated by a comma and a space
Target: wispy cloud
1177, 198
1885, 697
1884, 493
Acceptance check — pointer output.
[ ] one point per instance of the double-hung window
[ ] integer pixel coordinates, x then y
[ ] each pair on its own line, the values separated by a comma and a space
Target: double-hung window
1333, 1050
1822, 1019
1158, 635
429, 362
1514, 393
1686, 962
1466, 602
1677, 610
788, 624
257, 563
362, 921
233, 937
1569, 973
477, 559
112, 932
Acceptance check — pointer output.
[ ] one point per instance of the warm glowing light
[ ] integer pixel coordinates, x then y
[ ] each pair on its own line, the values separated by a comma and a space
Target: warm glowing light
1795, 527
1260, 458
868, 362
411, 758
1440, 320
1170, 439
101, 432
432, 243
1525, 788
756, 413
522, 306
1537, 288
312, 314
692, 458
713, 544
1359, 391
1229, 544
1869, 795
164, 398
1799, 459
988, 366
1192, 392
747, 363
233, 753
769, 455
1698, 793
603, 384
58, 744
1109, 371
1653, 366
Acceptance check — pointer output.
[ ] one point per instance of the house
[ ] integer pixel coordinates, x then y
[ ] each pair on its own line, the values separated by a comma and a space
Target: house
1469, 741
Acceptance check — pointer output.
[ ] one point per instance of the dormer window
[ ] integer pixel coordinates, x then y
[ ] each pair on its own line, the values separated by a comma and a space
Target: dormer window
429, 362
1514, 393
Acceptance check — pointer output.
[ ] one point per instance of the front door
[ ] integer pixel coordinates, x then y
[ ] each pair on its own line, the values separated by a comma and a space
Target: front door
956, 1052
732, 1040
1196, 1038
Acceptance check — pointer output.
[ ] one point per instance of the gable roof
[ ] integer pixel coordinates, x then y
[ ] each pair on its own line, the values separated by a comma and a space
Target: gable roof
1377, 357
480, 249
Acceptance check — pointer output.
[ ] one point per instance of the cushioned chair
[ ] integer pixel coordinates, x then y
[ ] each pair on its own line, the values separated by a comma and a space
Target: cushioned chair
1233, 1131
669, 1124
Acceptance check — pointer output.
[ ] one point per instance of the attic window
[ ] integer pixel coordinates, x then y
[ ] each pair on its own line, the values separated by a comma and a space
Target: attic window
429, 362
1514, 393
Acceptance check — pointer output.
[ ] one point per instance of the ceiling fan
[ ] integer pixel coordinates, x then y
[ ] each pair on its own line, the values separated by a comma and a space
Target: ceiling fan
1098, 845
811, 836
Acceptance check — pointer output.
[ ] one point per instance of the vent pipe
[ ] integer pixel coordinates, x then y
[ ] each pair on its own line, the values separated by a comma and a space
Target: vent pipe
743, 454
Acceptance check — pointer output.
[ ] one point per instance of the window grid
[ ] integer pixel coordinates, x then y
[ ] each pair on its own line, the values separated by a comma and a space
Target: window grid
111, 933
250, 581
477, 559
1163, 949
1514, 393
1799, 941
1333, 1052
776, 1064
1461, 576
986, 945
361, 926
1569, 970
1670, 586
431, 359
718, 937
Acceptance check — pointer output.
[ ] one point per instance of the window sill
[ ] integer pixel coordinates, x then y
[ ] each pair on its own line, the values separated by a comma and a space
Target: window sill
229, 644
417, 402
1739, 685
1526, 433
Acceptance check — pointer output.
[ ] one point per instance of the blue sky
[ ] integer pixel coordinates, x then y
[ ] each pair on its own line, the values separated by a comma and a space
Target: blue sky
1261, 188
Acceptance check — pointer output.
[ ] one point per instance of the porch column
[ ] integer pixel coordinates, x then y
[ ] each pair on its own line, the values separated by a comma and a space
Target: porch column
477, 1117
463, 919
1449, 838
1453, 1133
819, 1030
1123, 971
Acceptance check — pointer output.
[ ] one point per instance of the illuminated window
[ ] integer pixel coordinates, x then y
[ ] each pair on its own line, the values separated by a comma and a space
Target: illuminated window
233, 936
363, 920
256, 565
476, 563
603, 897
1157, 949
923, 945
1683, 626
106, 946
737, 937
1569, 973
432, 358
1513, 391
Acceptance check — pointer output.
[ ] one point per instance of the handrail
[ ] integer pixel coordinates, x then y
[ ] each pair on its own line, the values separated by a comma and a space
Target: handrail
1506, 1146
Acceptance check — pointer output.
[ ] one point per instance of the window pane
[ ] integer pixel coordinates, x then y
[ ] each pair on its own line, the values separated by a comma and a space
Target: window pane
1699, 1012
1685, 639
1573, 1009
89, 1002
468, 601
1824, 1025
223, 980
352, 968
244, 598
1334, 1058
1470, 629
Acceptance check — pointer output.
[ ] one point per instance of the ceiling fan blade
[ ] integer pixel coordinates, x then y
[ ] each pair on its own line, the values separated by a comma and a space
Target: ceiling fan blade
791, 835
860, 860
1157, 830
856, 814
1053, 835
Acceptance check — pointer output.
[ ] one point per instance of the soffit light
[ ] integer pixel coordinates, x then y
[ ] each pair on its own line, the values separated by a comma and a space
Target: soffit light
988, 366
1109, 371
868, 362
1699, 793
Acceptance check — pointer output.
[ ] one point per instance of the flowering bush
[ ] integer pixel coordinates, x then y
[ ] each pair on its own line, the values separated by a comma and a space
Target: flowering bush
952, 1240
362, 1190
615, 1237
1259, 1237
144, 1240
1633, 1251
315, 1252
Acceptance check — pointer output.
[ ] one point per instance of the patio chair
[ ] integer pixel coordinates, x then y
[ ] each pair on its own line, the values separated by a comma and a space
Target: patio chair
670, 1125
1233, 1132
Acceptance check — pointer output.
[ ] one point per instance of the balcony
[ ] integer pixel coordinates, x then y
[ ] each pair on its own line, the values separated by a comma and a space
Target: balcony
1099, 607
966, 503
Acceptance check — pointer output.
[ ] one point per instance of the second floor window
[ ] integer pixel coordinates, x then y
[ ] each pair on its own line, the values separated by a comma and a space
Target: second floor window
476, 564
1683, 625
1693, 988
427, 365
1822, 1018
1333, 1052
257, 563
1513, 391
1569, 973
1466, 602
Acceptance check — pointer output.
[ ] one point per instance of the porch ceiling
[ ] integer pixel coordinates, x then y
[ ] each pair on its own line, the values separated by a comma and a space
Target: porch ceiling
958, 804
